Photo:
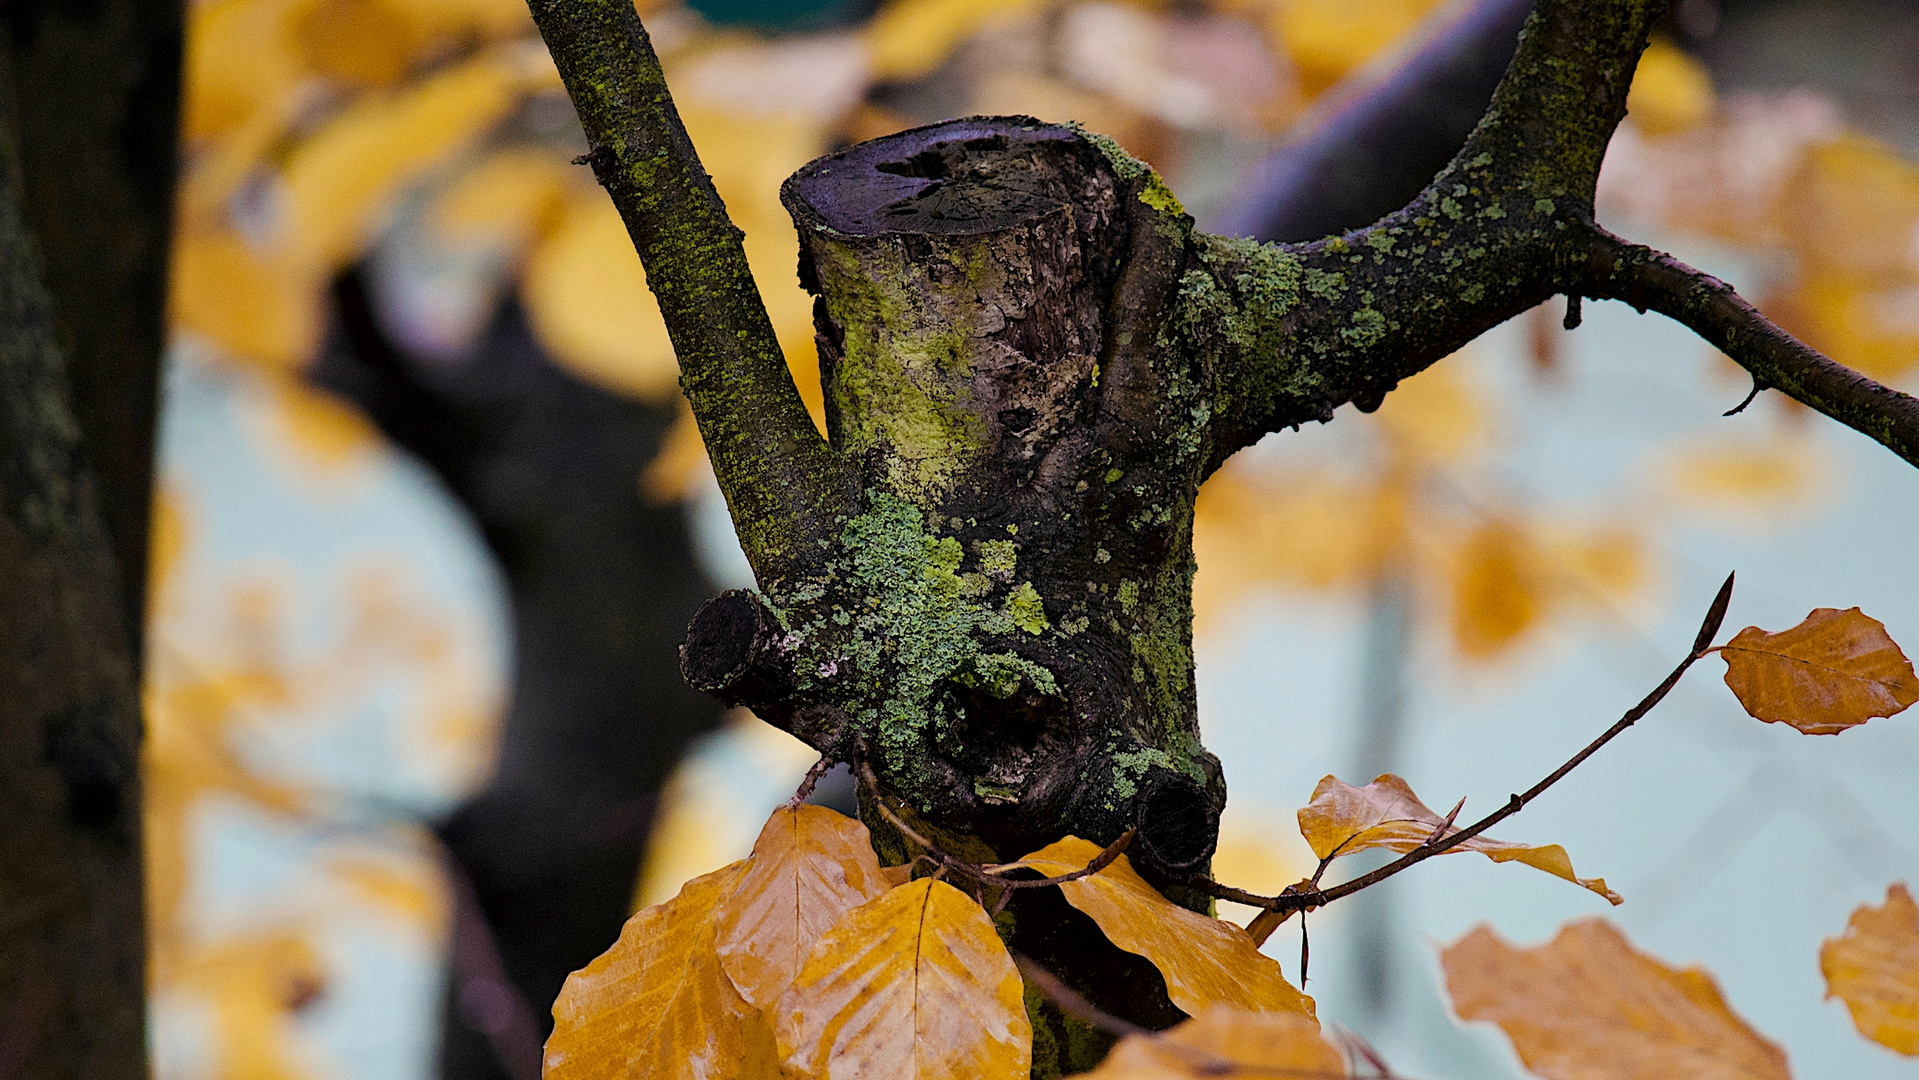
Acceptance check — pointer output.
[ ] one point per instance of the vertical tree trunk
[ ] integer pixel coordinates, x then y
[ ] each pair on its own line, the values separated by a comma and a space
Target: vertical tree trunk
88, 100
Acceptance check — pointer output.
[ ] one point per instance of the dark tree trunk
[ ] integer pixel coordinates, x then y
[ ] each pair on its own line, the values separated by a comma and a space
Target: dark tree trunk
602, 584
88, 99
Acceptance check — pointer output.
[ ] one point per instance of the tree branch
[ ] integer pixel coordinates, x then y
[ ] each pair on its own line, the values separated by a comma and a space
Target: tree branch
1653, 281
1296, 330
1306, 899
782, 482
1376, 147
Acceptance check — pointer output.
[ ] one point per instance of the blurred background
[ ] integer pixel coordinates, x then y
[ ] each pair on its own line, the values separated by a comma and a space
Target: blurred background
432, 517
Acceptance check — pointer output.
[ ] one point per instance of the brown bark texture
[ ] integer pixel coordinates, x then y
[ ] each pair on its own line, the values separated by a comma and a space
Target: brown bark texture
72, 928
980, 583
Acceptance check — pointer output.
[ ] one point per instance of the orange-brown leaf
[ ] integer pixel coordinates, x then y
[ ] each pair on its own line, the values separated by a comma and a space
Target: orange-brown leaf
1874, 969
1587, 1006
1223, 1041
915, 985
1206, 961
1836, 670
809, 866
655, 1005
1386, 814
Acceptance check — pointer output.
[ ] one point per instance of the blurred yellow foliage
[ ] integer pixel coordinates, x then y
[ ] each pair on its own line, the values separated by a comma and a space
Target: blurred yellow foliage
1329, 39
1671, 91
909, 38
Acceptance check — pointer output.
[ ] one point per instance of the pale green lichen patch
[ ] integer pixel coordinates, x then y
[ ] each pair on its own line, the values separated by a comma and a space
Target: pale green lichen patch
1026, 610
921, 627
998, 558
1130, 768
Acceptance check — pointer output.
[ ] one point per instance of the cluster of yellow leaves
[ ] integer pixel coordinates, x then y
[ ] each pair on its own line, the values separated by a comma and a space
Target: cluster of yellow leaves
1874, 969
1782, 172
1835, 670
809, 960
1588, 1006
1343, 820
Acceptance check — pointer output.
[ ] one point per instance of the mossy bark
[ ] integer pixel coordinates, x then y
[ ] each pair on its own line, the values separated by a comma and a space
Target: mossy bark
981, 585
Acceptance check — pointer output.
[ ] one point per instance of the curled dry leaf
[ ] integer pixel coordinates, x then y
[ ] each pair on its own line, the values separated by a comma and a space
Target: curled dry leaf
809, 866
655, 1005
1587, 1006
1223, 1041
1836, 670
1874, 969
915, 985
1205, 961
1344, 819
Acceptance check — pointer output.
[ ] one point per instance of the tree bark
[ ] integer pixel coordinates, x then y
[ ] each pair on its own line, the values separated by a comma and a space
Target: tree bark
980, 586
72, 931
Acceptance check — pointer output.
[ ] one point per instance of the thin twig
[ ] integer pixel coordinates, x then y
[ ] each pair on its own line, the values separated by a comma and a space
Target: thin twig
812, 778
1072, 1004
1307, 899
1203, 1062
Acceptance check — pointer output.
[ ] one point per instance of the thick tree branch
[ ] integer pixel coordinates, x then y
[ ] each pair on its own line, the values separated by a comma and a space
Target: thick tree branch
1653, 281
72, 931
782, 483
1299, 329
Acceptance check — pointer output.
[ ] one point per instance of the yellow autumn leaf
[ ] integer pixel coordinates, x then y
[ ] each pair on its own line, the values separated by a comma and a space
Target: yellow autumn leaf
340, 182
656, 1004
1224, 1041
505, 200
1874, 969
909, 38
1852, 207
586, 296
809, 866
915, 985
1328, 39
1835, 670
1750, 481
1343, 819
265, 309
1671, 91
1205, 961
1499, 589
364, 42
1587, 1006
1867, 321
1434, 417
242, 57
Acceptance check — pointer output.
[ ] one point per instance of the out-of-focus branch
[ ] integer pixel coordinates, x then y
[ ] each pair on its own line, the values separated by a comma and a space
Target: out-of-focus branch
783, 484
1370, 151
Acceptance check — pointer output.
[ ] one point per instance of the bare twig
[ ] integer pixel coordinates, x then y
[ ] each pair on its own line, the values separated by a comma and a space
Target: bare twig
1312, 897
1653, 281
1071, 1003
807, 783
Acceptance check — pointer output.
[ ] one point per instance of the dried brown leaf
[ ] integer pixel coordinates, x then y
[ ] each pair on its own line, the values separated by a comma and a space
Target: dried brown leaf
1874, 969
1835, 670
915, 985
1222, 1041
1386, 814
809, 866
656, 1004
1587, 1006
1205, 961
